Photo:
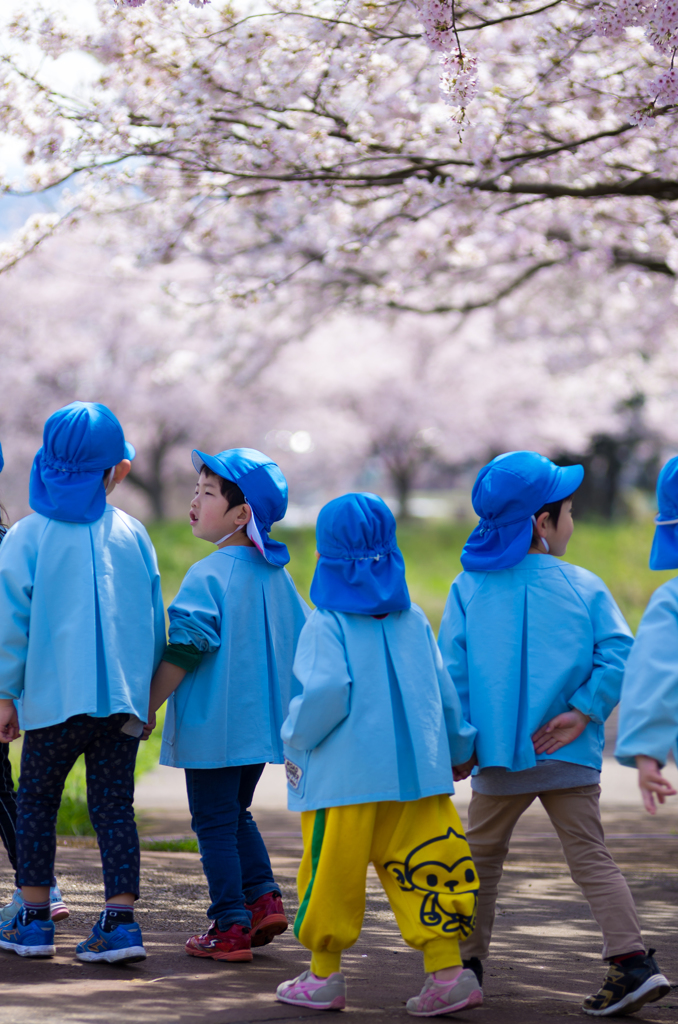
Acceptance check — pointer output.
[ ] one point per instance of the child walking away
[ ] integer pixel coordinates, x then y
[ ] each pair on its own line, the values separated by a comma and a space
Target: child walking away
536, 649
81, 629
370, 744
228, 668
648, 713
59, 910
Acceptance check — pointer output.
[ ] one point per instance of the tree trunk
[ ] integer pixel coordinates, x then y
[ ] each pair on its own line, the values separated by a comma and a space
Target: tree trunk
152, 482
402, 478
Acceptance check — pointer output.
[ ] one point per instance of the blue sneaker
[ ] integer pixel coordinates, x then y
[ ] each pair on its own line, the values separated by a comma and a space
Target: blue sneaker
34, 939
123, 945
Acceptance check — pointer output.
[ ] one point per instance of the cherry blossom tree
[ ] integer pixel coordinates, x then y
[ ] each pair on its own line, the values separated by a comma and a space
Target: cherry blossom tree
307, 146
76, 324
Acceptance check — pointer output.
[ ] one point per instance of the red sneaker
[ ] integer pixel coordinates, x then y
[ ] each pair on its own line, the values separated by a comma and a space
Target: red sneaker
268, 918
233, 944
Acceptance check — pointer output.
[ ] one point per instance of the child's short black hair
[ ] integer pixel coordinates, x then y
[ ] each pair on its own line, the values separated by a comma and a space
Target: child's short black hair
230, 491
553, 508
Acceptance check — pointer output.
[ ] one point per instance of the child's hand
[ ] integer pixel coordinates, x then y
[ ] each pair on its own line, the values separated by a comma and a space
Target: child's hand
560, 731
652, 783
148, 727
462, 771
9, 722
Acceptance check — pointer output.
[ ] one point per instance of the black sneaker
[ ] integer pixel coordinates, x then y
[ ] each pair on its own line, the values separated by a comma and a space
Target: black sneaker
475, 965
626, 989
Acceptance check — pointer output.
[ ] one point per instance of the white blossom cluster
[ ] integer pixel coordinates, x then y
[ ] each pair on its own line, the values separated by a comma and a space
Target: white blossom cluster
659, 18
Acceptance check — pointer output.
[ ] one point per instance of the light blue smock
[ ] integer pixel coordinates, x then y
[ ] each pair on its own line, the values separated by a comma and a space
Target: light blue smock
82, 624
247, 615
528, 643
648, 712
378, 717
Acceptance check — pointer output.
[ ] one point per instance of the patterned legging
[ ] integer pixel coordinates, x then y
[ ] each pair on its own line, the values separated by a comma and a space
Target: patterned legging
48, 756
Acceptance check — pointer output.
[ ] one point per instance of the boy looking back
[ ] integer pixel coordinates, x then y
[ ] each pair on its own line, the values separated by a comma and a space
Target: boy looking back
228, 672
536, 649
81, 630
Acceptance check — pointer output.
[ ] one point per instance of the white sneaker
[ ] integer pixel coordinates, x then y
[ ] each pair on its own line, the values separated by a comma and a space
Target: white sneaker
315, 993
59, 910
9, 912
439, 997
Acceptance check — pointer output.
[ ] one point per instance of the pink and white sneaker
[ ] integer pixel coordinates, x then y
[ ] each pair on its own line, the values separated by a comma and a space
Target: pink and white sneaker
439, 997
315, 993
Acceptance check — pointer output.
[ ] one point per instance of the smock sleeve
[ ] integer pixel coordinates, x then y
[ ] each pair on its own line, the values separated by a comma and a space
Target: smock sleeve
613, 640
648, 713
460, 733
18, 557
196, 612
151, 561
452, 644
321, 669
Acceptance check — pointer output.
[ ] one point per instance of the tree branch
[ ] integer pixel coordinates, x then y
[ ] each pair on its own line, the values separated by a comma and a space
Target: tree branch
469, 307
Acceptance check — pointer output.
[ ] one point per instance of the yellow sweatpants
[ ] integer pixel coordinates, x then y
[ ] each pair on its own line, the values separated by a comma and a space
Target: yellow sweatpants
423, 861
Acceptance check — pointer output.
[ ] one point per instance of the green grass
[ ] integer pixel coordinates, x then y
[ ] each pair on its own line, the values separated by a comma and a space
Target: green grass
617, 552
171, 845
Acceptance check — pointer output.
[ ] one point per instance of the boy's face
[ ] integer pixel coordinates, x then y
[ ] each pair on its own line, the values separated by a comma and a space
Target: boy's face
210, 517
558, 537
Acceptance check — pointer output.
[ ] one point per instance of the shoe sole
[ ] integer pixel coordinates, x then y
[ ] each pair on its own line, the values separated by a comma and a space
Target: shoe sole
470, 1003
338, 1003
60, 912
131, 955
266, 931
649, 992
238, 955
36, 951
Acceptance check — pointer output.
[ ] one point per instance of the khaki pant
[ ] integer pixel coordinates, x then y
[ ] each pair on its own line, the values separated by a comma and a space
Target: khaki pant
575, 815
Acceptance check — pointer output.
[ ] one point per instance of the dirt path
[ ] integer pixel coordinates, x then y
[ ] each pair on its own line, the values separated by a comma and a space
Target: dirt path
546, 950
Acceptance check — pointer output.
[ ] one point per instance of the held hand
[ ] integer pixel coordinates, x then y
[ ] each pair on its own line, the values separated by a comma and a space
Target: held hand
148, 727
462, 771
652, 783
560, 731
9, 723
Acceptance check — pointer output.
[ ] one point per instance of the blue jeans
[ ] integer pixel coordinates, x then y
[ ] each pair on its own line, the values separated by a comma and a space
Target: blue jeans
234, 858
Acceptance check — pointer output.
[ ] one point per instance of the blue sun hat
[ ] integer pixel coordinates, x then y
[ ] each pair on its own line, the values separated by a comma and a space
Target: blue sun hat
261, 481
360, 568
79, 442
2, 461
506, 495
664, 552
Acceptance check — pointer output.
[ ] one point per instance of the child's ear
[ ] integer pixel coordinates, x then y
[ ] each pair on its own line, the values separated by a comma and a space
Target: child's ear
121, 471
244, 515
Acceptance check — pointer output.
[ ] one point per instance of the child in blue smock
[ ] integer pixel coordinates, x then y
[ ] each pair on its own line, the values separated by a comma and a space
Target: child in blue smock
536, 648
648, 712
81, 630
370, 742
228, 673
59, 910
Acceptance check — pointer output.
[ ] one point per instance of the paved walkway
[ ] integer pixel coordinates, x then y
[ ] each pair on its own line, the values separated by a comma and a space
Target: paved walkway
546, 951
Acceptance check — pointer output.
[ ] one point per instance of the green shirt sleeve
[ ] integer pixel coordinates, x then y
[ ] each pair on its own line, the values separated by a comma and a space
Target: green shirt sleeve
186, 656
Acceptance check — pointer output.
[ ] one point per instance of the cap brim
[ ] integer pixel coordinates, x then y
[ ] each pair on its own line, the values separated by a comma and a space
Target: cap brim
130, 451
569, 480
200, 459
